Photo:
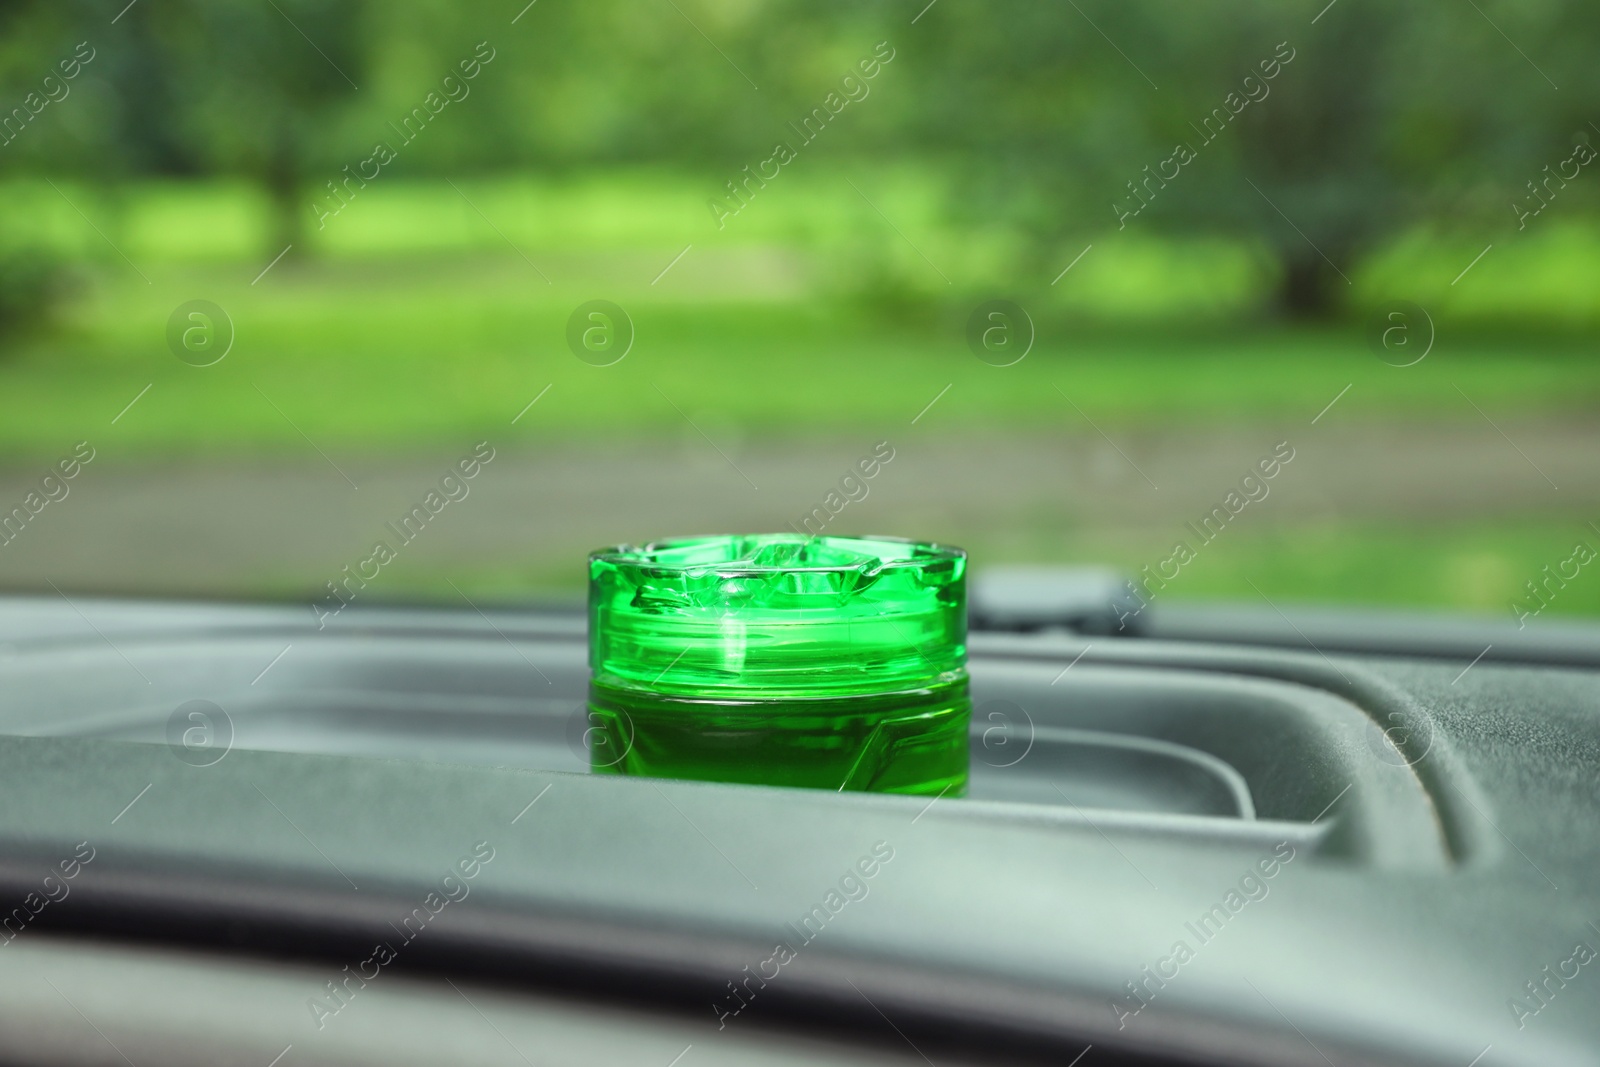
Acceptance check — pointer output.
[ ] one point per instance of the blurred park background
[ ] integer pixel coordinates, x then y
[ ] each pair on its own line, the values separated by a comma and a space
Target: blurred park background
1346, 164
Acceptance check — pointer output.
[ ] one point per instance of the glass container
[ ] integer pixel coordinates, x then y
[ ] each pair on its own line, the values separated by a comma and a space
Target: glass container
780, 659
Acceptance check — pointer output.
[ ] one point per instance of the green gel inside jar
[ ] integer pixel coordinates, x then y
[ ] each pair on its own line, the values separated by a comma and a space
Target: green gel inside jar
777, 659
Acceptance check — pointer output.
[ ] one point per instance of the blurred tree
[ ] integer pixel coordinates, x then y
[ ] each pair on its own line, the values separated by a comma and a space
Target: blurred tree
1048, 123
1389, 113
187, 88
243, 87
35, 54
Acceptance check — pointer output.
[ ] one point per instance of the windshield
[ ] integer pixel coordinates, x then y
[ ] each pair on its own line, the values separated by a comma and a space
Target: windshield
340, 302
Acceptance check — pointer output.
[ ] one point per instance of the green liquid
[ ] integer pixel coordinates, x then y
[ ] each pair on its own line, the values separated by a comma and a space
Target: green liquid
778, 659
908, 742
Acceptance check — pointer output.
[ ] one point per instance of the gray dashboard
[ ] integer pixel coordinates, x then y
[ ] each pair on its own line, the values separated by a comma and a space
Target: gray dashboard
1430, 836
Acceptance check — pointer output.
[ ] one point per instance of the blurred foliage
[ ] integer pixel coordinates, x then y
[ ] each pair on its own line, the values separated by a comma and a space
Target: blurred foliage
1039, 119
1001, 141
33, 280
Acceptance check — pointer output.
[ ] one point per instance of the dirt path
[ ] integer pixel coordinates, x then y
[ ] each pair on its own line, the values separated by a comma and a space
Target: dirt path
205, 526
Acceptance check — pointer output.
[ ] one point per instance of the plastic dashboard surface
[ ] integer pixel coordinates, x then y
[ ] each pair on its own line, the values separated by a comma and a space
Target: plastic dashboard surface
1200, 853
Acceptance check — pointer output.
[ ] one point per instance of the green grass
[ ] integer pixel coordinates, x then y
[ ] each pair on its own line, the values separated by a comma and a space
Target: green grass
1475, 566
1478, 566
416, 320
375, 356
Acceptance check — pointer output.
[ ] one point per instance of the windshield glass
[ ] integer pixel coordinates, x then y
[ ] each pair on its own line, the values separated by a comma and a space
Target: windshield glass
343, 302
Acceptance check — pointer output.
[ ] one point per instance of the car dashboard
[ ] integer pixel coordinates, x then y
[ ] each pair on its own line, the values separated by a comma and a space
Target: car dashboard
1236, 838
